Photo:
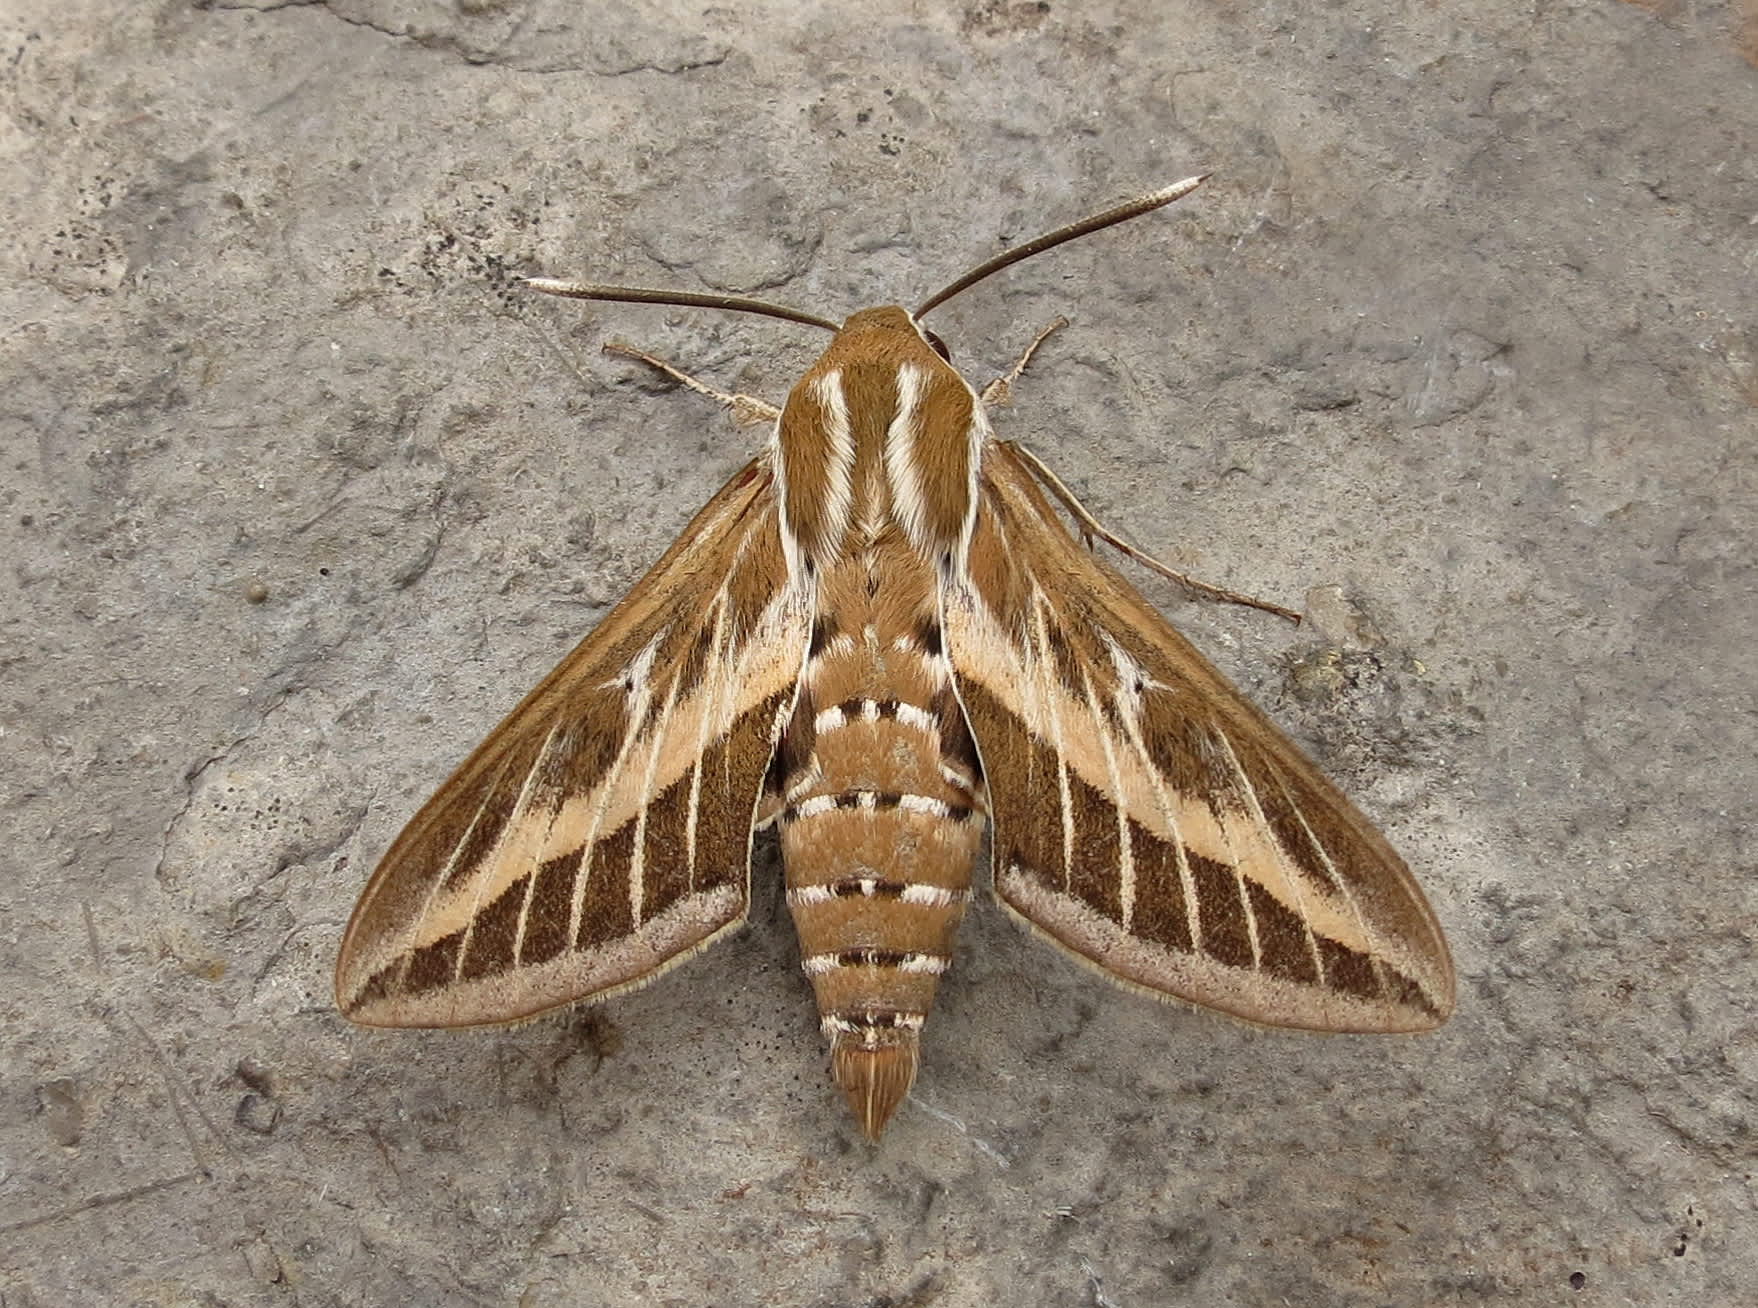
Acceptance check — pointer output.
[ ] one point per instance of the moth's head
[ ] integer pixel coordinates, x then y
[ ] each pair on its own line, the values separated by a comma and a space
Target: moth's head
892, 330
895, 318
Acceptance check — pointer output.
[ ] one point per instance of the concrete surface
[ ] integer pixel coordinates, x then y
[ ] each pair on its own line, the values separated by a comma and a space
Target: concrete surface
1458, 350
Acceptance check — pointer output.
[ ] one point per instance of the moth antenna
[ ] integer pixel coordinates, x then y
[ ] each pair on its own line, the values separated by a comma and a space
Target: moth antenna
1049, 240
689, 299
1091, 526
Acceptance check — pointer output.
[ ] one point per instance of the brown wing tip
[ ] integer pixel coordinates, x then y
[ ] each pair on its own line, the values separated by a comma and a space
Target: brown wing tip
875, 1077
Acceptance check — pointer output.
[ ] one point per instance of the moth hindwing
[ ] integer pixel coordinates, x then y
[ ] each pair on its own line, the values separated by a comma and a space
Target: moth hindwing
877, 635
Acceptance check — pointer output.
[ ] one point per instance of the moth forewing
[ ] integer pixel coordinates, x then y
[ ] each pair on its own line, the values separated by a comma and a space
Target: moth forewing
1149, 818
602, 831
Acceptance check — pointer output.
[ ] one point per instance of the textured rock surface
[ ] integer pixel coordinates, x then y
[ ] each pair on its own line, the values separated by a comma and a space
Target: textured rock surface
298, 496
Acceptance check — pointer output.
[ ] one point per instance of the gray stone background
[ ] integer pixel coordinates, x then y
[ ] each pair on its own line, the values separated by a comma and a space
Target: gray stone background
1457, 351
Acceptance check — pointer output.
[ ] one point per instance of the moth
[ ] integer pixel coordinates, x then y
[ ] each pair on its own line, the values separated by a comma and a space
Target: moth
879, 638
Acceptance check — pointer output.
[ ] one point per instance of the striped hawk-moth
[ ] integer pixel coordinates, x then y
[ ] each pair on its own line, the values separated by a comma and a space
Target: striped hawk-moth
879, 638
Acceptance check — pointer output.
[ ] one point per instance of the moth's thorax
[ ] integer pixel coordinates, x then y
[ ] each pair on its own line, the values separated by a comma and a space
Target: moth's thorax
880, 433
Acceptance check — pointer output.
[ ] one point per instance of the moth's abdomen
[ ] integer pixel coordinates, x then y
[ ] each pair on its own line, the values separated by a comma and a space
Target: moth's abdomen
880, 823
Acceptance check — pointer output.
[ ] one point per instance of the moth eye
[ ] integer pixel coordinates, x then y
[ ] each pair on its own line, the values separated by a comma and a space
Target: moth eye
938, 344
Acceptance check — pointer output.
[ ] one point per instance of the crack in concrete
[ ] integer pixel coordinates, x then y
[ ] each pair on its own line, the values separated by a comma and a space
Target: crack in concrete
192, 776
105, 1200
176, 1089
486, 55
416, 568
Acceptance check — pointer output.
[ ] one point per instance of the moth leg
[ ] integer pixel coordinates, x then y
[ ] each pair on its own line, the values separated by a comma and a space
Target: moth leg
747, 410
1090, 527
1000, 391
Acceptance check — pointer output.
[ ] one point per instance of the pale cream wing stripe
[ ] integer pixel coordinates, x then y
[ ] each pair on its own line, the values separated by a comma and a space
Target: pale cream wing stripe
1148, 817
602, 832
